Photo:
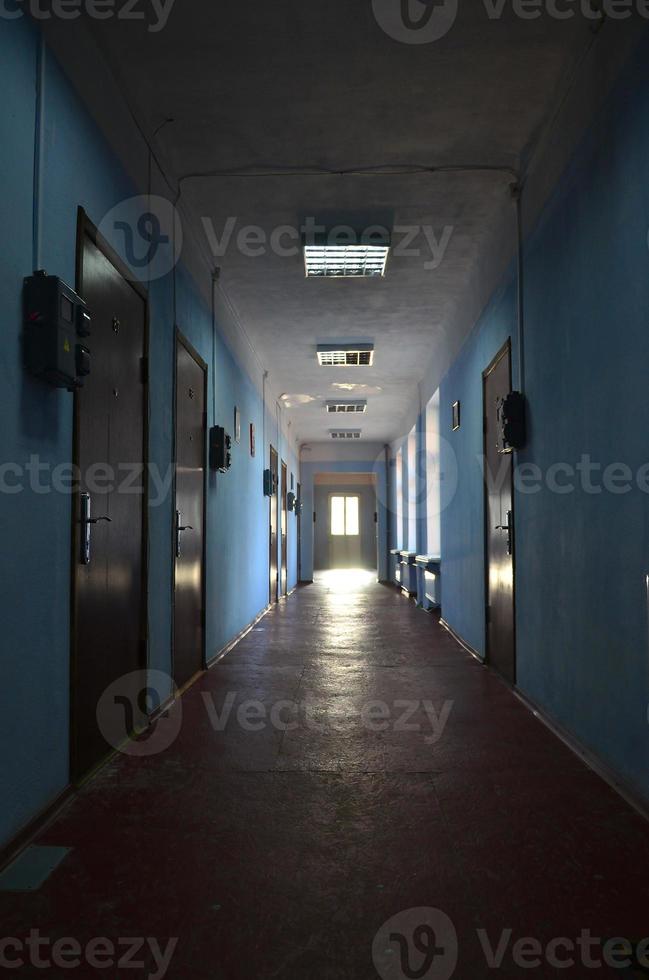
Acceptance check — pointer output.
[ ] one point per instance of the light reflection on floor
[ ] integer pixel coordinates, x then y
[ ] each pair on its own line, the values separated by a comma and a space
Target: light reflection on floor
345, 580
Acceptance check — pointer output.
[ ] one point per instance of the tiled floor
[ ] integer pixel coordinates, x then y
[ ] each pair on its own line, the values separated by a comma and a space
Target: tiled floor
401, 775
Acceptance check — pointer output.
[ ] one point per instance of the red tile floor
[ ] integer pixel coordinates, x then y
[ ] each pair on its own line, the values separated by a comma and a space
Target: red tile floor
402, 774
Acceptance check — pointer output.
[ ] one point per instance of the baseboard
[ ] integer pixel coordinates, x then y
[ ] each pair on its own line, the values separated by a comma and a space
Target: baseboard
24, 837
224, 651
628, 792
465, 646
36, 826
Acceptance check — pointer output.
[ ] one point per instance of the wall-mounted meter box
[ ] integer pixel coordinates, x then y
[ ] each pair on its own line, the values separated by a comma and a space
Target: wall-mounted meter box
220, 449
511, 422
56, 321
270, 483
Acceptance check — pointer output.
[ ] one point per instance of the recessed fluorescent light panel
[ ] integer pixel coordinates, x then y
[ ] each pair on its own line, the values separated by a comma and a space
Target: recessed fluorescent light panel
345, 261
343, 253
345, 355
345, 433
346, 407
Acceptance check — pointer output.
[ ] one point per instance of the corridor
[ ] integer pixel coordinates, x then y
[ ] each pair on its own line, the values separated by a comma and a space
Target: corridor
346, 762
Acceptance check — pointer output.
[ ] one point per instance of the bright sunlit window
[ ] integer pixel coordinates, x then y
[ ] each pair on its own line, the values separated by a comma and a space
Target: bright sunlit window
344, 516
412, 491
399, 500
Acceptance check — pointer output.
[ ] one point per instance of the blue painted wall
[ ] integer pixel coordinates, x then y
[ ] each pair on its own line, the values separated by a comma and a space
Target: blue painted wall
462, 519
79, 168
582, 556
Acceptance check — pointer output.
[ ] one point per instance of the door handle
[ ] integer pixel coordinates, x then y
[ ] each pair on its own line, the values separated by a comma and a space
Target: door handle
86, 522
179, 529
509, 528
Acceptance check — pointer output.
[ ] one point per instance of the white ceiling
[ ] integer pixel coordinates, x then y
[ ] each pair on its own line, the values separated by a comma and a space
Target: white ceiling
319, 85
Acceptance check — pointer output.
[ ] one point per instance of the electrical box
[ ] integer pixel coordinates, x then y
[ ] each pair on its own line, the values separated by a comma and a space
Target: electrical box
511, 422
220, 449
270, 483
55, 321
290, 501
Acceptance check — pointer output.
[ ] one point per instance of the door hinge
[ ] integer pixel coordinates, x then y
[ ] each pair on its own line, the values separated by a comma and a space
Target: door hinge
144, 370
314, 517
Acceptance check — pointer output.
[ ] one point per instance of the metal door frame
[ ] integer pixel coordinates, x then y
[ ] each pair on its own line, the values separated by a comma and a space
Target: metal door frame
283, 527
181, 341
86, 230
505, 351
273, 591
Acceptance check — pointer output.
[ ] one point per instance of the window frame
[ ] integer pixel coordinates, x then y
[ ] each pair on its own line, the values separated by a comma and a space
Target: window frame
344, 496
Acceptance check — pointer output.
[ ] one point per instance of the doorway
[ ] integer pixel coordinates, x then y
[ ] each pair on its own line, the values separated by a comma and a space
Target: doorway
344, 530
273, 521
284, 551
499, 524
108, 588
189, 513
299, 531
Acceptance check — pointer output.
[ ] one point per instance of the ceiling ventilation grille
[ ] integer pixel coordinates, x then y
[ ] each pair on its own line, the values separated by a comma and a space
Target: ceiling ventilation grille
345, 261
345, 433
346, 407
343, 355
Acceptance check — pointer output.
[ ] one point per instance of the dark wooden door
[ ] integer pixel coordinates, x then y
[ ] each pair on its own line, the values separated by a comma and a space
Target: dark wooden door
274, 521
108, 579
299, 533
189, 513
284, 573
499, 519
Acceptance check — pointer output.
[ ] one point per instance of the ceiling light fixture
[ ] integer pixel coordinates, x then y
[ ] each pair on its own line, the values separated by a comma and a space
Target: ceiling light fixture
346, 407
345, 261
345, 355
345, 433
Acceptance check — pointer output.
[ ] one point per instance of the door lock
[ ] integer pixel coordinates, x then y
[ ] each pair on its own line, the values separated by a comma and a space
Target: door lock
509, 528
86, 522
179, 530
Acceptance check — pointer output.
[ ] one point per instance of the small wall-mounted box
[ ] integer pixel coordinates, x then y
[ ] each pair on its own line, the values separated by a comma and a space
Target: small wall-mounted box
511, 422
270, 483
55, 321
220, 449
290, 500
